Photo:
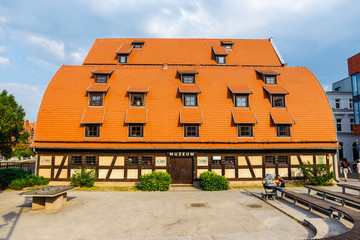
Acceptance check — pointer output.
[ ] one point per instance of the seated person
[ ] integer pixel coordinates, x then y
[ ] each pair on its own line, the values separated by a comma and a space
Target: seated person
280, 185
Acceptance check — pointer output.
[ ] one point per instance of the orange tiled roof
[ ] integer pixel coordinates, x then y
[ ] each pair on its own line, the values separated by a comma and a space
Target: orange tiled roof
257, 52
281, 116
93, 115
275, 89
267, 72
234, 89
189, 89
124, 49
138, 88
98, 87
241, 116
136, 115
187, 71
103, 70
191, 115
219, 50
64, 101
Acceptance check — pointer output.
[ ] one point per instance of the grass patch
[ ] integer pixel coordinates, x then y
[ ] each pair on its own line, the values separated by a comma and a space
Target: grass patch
109, 189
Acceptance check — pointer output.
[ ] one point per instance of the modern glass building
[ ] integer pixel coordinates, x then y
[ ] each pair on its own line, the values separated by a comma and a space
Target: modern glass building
354, 69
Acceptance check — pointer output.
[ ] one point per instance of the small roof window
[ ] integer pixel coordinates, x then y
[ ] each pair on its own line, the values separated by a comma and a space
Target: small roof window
187, 75
269, 76
228, 44
220, 54
138, 44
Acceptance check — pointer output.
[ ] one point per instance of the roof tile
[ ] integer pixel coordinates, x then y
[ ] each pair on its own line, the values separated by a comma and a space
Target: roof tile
138, 88
235, 89
136, 115
93, 115
282, 116
219, 50
191, 115
275, 89
189, 88
124, 49
243, 116
98, 87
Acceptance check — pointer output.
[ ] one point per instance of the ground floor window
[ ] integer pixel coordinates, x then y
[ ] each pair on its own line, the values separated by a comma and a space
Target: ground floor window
280, 161
137, 161
83, 161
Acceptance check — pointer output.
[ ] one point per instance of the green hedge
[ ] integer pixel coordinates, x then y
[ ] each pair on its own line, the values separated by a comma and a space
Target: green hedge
210, 181
83, 177
28, 181
317, 174
155, 181
7, 175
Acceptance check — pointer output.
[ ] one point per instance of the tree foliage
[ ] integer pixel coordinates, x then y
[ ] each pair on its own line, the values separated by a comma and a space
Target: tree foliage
11, 124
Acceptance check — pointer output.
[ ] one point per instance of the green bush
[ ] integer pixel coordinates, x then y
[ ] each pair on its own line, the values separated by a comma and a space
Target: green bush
83, 177
211, 181
155, 181
7, 175
317, 174
19, 184
28, 181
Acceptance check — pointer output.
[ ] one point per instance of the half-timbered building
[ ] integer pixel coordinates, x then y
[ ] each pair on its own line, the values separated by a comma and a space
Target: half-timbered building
183, 106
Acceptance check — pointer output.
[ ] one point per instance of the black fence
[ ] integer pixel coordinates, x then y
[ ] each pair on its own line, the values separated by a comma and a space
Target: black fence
27, 166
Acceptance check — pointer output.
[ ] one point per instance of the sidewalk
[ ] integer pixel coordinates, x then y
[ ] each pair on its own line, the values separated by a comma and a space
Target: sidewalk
233, 214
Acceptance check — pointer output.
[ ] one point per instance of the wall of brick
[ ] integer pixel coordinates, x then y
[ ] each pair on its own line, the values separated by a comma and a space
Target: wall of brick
354, 64
356, 130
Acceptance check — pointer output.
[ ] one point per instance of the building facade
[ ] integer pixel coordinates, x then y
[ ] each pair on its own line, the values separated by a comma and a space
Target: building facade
341, 102
183, 106
354, 70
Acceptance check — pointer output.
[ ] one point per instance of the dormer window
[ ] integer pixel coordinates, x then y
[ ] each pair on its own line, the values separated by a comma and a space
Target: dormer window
227, 44
188, 79
220, 54
278, 100
137, 100
241, 100
269, 76
187, 76
101, 78
102, 75
96, 99
220, 60
276, 95
138, 44
189, 95
282, 120
123, 53
240, 95
270, 79
137, 95
190, 100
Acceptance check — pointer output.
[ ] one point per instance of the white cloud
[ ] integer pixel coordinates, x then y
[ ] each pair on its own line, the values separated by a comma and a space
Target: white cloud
4, 61
78, 56
49, 65
54, 47
3, 19
29, 96
2, 48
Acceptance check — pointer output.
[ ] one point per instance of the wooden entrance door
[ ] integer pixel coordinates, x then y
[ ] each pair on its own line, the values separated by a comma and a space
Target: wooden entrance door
181, 170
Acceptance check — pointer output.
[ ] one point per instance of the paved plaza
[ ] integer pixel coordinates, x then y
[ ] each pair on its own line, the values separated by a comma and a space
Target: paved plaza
233, 214
182, 213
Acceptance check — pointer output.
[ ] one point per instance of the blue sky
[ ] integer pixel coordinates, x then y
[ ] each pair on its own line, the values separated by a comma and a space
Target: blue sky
37, 37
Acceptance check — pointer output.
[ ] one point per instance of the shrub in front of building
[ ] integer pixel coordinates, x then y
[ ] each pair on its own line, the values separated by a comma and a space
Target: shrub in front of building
211, 181
155, 181
28, 181
317, 174
8, 175
83, 177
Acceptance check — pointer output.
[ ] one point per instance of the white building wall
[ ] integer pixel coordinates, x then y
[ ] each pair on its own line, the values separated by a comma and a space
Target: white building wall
345, 113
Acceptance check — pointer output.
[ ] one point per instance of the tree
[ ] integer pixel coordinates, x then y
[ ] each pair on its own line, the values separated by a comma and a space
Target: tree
11, 124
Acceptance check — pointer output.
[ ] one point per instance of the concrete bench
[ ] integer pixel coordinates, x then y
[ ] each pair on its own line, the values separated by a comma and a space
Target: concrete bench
310, 202
49, 198
343, 197
349, 186
351, 215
